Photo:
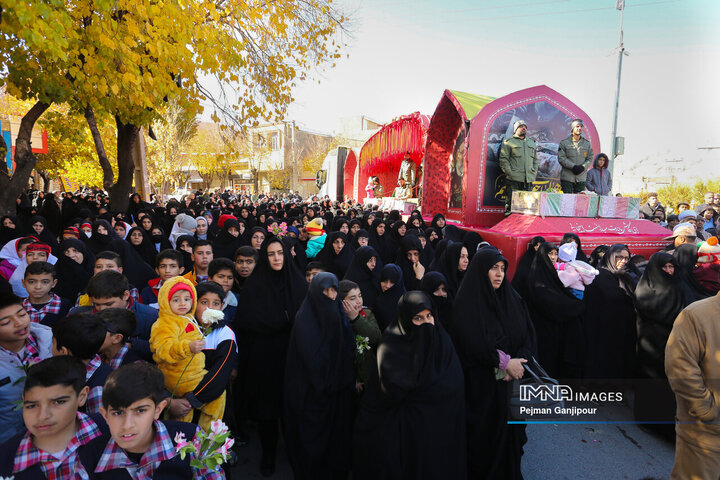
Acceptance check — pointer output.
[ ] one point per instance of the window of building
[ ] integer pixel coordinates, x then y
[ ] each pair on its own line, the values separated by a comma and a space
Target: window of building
275, 140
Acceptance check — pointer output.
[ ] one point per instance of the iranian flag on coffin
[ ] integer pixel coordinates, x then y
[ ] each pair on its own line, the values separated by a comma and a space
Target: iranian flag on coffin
547, 204
619, 207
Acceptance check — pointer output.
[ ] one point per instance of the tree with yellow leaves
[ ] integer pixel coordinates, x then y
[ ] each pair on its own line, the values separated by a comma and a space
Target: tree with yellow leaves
127, 58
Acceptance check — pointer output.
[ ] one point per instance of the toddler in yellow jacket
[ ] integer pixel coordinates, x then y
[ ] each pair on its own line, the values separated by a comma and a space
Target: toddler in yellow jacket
176, 342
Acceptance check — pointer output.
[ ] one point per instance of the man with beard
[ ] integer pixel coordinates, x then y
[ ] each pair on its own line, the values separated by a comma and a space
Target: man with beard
518, 161
575, 154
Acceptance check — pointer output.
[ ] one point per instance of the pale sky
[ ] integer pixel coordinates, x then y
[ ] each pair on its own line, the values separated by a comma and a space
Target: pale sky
404, 53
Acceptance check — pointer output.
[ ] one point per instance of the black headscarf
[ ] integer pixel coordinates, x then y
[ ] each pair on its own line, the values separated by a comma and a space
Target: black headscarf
686, 256
271, 298
187, 257
46, 236
434, 224
362, 233
225, 244
336, 263
387, 300
73, 277
99, 242
622, 275
471, 241
367, 280
443, 306
7, 233
597, 255
448, 266
319, 383
522, 272
394, 239
408, 243
658, 295
380, 242
146, 249
454, 233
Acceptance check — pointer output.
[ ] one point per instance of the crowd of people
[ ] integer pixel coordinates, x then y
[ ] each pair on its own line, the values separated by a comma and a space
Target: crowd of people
377, 346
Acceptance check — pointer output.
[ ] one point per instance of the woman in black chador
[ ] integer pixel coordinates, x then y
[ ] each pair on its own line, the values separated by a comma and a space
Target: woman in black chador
266, 309
319, 385
492, 332
659, 299
367, 279
556, 315
411, 423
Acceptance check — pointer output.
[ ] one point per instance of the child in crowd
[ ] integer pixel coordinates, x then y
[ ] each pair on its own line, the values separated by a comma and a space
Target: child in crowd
110, 289
246, 259
317, 235
143, 444
12, 254
177, 342
42, 305
220, 352
202, 255
107, 260
221, 271
370, 187
574, 274
34, 252
312, 269
60, 442
707, 271
81, 336
22, 343
169, 264
116, 350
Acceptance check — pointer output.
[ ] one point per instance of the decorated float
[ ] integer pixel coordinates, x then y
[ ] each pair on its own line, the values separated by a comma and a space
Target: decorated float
462, 178
382, 157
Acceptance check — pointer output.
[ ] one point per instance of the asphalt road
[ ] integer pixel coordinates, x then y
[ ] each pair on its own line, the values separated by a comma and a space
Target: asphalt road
553, 451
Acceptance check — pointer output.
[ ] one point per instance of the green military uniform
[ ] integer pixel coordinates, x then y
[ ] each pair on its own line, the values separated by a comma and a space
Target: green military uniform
519, 162
570, 154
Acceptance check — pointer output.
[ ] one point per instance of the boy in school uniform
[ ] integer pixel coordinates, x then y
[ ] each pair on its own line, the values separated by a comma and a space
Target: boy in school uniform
169, 264
22, 344
117, 350
42, 304
58, 444
82, 335
133, 400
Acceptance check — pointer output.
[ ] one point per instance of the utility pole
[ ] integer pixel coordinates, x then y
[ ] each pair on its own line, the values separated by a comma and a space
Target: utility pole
619, 5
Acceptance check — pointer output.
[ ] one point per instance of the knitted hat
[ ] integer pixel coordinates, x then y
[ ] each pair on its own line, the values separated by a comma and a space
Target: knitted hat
181, 286
315, 227
88, 225
567, 252
709, 251
517, 125
575, 123
72, 231
225, 218
38, 247
686, 214
185, 221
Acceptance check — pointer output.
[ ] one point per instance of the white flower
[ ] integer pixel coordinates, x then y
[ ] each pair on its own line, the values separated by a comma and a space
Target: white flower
211, 316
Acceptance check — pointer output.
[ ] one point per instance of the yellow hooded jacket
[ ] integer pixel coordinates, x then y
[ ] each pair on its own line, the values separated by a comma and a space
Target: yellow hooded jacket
170, 339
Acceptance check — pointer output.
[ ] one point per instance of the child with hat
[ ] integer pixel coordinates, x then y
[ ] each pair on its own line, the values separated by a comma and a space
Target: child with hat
574, 274
708, 267
177, 343
317, 236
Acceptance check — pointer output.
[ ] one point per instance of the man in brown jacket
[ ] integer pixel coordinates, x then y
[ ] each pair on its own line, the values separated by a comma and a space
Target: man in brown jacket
692, 364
